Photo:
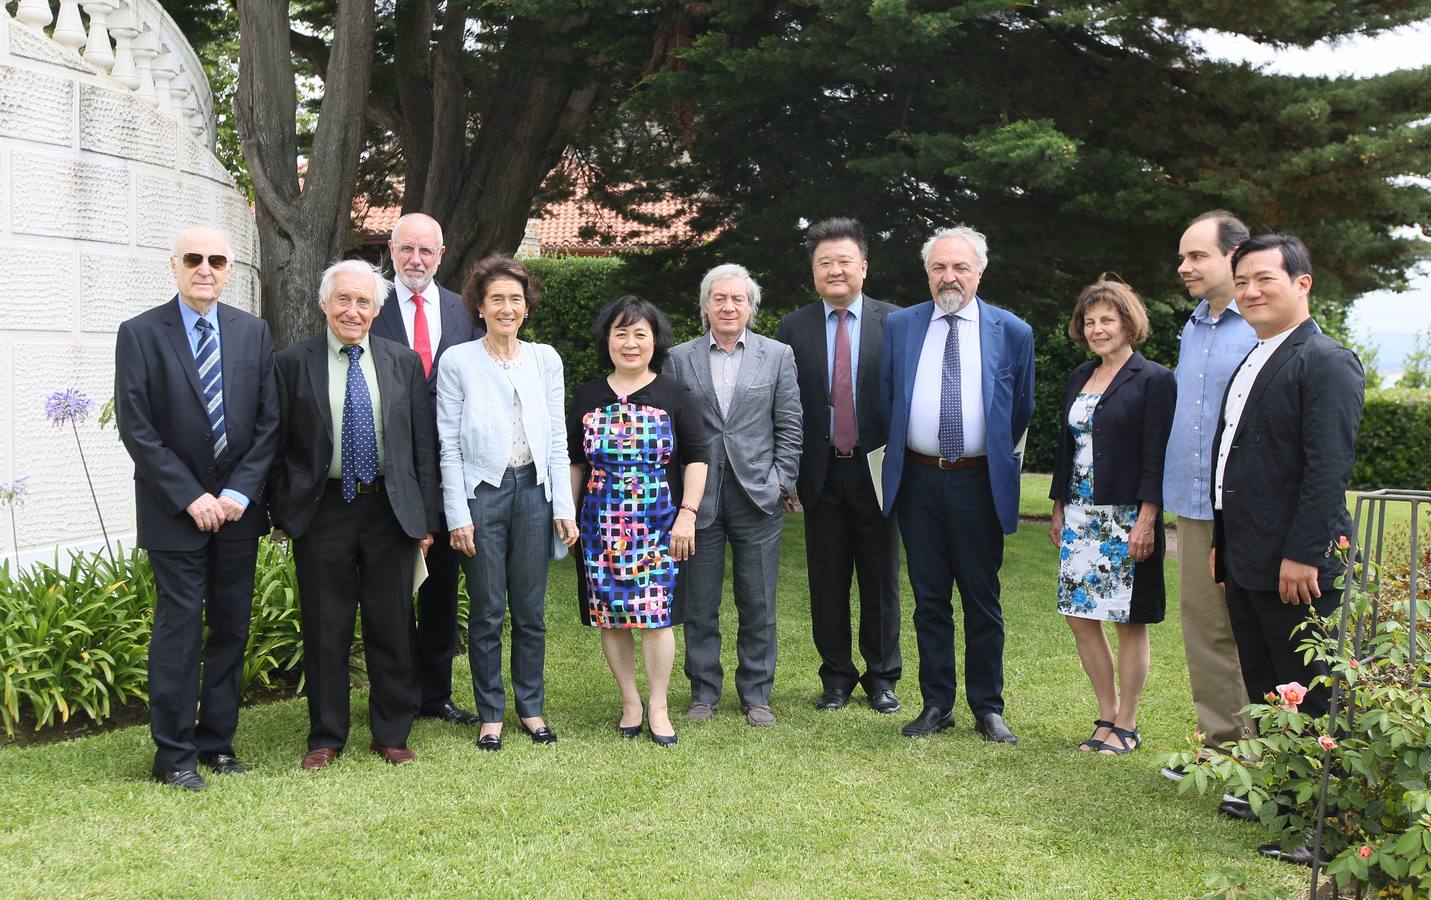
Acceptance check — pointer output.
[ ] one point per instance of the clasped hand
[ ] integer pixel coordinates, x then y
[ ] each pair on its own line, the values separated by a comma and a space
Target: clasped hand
210, 513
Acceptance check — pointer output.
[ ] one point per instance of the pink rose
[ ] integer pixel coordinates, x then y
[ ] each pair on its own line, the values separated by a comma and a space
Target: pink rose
1271, 697
1199, 737
1343, 543
1364, 852
1327, 743
1292, 695
1353, 664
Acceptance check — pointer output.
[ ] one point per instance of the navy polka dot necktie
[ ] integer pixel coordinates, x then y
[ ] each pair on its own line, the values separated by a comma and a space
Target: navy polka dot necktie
951, 398
360, 437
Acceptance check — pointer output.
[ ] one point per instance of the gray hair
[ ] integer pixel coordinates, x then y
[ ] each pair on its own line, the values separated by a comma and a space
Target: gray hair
976, 240
417, 216
721, 273
179, 240
353, 267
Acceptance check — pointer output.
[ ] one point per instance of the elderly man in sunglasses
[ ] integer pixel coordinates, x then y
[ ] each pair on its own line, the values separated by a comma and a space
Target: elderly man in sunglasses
197, 404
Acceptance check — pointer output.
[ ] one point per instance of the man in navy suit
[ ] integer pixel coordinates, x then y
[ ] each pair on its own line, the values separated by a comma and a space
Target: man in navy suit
197, 408
958, 377
429, 318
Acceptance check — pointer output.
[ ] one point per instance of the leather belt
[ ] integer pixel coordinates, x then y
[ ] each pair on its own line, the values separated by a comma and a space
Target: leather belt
850, 455
938, 462
336, 484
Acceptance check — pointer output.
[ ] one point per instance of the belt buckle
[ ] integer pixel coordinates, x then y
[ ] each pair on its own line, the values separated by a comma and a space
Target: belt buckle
947, 464
368, 488
843, 455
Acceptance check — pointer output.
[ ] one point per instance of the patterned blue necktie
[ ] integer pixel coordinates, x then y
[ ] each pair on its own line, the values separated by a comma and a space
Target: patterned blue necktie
360, 436
951, 398
211, 376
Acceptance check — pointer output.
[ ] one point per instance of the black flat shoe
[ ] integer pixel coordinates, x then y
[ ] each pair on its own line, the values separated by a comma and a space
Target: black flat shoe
490, 742
451, 712
631, 731
223, 763
543, 735
833, 698
931, 721
191, 780
663, 740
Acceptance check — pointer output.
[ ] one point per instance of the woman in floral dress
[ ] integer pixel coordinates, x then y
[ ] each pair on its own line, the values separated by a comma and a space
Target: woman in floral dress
638, 452
1107, 504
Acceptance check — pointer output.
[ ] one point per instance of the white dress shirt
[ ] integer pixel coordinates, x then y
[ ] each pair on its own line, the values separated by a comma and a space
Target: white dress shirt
929, 381
1237, 393
431, 308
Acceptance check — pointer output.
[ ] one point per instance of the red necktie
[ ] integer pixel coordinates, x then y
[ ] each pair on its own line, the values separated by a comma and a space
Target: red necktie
420, 340
842, 388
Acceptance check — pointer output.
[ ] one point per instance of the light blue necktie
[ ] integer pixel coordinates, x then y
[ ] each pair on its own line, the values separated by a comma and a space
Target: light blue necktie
360, 437
951, 398
211, 376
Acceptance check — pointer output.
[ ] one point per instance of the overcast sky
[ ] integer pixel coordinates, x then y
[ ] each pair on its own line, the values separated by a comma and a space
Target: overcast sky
1404, 48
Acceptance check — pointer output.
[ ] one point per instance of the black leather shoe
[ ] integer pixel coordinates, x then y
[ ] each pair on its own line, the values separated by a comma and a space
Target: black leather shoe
543, 735
490, 742
182, 779
932, 721
833, 698
884, 702
662, 740
451, 712
1236, 808
222, 763
991, 726
1297, 856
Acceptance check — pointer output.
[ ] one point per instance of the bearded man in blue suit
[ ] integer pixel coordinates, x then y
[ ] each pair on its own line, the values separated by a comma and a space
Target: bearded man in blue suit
958, 380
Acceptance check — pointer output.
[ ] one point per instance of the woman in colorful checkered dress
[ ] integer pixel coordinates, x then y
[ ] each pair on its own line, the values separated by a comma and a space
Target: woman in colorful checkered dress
638, 450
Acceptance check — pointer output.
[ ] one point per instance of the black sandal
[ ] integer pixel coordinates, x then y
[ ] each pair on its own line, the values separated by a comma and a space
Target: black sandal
1124, 736
1091, 744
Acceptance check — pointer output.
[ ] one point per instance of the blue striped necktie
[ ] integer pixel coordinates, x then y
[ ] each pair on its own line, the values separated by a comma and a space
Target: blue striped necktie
951, 397
211, 376
360, 435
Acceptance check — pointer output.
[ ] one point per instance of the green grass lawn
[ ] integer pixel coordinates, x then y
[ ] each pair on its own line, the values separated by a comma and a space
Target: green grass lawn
823, 804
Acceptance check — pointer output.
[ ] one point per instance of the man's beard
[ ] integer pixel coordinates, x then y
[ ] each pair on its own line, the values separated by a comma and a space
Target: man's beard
415, 284
950, 299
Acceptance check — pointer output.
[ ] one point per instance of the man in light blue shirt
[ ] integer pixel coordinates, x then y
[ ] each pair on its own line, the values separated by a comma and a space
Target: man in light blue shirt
1214, 341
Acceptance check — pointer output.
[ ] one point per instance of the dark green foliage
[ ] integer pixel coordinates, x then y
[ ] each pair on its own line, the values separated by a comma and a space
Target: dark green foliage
1391, 450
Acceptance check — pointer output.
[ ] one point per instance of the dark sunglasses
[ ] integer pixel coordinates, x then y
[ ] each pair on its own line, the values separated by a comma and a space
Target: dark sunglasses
217, 262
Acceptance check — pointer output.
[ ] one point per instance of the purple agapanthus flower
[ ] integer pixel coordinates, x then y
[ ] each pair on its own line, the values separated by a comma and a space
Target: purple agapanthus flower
66, 406
14, 493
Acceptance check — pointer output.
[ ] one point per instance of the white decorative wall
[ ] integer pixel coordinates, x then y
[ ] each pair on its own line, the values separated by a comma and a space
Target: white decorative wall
98, 173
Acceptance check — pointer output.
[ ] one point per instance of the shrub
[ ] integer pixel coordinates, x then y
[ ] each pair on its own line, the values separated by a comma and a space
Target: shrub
1391, 447
1378, 826
74, 641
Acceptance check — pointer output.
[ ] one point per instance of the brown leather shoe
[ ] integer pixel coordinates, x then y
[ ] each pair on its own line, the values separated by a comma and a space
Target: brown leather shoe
395, 756
317, 759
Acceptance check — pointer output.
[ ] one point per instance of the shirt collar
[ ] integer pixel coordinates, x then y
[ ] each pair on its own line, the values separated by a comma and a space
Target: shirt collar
189, 316
739, 342
855, 308
1276, 340
1203, 312
335, 346
969, 312
429, 293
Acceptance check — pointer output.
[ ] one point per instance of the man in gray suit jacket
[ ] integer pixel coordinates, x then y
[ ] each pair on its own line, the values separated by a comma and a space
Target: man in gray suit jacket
745, 387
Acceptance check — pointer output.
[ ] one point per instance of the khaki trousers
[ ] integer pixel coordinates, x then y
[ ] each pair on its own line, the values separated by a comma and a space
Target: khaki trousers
1213, 666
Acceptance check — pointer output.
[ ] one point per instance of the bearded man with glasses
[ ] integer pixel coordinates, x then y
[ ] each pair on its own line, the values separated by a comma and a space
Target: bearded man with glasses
197, 406
430, 319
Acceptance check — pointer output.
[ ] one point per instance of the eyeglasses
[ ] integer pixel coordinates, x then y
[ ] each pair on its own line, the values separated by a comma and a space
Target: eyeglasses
217, 261
410, 249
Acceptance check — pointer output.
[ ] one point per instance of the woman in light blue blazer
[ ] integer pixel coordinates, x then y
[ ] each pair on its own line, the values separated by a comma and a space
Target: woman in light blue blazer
500, 422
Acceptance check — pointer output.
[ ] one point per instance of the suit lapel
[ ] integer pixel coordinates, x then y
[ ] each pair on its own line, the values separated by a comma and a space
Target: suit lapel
389, 322
452, 313
750, 365
991, 352
1279, 358
817, 334
174, 330
699, 361
1125, 374
318, 383
389, 383
871, 344
913, 346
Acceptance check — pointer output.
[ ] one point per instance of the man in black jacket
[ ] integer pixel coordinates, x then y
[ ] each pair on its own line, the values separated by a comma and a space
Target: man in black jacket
1281, 461
197, 409
355, 486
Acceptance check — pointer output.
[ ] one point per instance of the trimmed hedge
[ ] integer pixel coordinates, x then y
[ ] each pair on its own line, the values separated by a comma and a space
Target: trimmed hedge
1393, 449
